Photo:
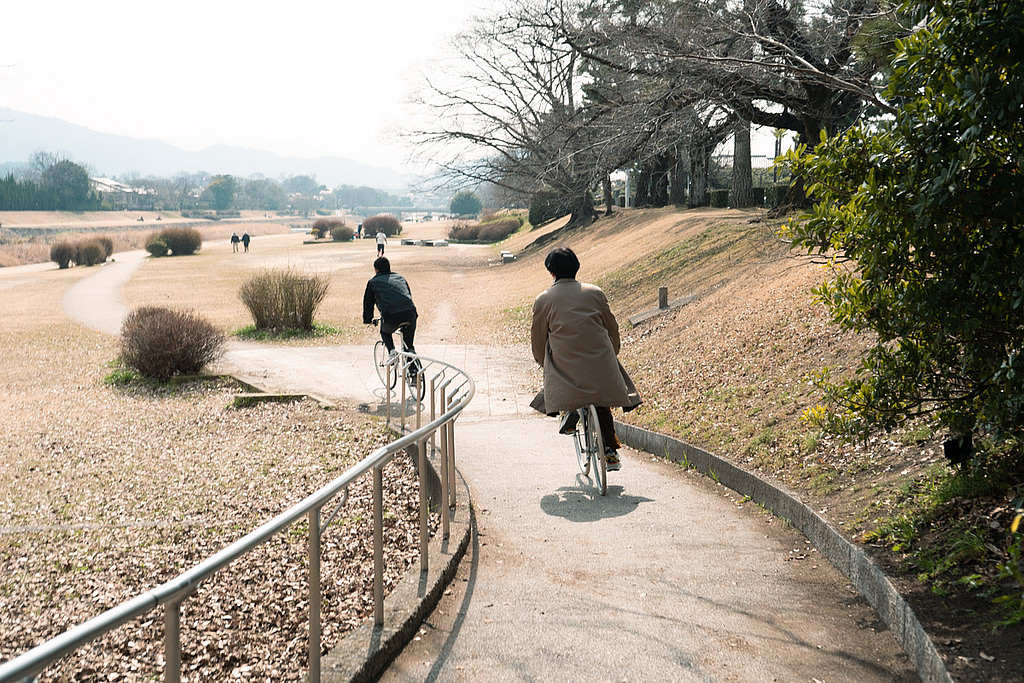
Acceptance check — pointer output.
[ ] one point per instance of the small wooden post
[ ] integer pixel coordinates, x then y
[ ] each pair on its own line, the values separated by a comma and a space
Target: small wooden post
662, 297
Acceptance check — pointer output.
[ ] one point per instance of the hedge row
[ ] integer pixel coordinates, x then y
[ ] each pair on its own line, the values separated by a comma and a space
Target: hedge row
495, 231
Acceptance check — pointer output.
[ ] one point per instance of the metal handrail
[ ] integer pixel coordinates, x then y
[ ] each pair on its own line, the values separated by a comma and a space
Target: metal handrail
174, 592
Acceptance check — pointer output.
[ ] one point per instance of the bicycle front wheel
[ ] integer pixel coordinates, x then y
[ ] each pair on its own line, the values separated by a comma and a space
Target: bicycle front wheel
595, 448
380, 362
579, 439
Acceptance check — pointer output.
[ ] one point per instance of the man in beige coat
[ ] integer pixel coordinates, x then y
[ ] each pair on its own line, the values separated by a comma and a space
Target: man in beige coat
575, 339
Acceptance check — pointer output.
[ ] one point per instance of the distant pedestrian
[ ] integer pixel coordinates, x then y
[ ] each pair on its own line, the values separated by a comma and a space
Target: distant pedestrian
234, 242
245, 240
382, 239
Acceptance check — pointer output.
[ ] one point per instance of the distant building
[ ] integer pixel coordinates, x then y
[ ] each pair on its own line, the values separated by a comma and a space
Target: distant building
118, 195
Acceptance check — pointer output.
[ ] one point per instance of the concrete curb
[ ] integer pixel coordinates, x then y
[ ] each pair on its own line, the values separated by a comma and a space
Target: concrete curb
864, 574
366, 652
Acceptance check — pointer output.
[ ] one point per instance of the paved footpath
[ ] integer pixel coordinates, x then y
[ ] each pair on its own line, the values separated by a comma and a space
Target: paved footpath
667, 578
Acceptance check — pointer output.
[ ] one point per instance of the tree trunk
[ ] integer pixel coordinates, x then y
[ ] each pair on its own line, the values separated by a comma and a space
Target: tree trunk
700, 160
642, 195
652, 184
606, 187
583, 212
659, 180
677, 186
742, 194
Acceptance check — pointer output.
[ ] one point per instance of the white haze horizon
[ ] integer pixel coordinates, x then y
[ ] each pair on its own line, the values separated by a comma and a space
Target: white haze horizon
304, 79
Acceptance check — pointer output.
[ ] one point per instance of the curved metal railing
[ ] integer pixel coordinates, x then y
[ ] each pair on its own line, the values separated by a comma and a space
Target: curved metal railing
448, 390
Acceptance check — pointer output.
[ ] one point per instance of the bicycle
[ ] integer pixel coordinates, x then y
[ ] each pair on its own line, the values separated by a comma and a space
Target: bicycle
590, 447
388, 367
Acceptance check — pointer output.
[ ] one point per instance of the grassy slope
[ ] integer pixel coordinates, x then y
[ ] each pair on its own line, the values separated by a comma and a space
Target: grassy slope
728, 371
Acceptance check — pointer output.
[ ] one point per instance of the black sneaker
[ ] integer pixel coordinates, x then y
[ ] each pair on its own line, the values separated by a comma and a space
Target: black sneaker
568, 423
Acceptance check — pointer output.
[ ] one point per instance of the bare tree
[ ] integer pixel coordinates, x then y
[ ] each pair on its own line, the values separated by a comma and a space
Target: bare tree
769, 62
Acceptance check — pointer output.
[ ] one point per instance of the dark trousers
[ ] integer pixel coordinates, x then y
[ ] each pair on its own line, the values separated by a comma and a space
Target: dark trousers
607, 422
389, 325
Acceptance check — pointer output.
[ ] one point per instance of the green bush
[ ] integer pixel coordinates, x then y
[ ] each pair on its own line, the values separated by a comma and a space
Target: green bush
62, 253
774, 195
182, 241
719, 198
385, 223
89, 253
156, 246
160, 343
283, 299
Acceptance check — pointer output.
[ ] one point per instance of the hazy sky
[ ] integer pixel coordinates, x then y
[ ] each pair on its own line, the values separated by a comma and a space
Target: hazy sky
300, 78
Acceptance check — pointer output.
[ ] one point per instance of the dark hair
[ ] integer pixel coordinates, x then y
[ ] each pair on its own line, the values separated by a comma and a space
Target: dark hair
562, 262
382, 265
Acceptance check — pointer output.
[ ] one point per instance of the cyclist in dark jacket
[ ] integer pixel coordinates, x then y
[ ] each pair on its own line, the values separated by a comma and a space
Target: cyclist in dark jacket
393, 298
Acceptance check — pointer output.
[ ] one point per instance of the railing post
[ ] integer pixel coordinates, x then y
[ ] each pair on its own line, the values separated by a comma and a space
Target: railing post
445, 476
444, 469
424, 506
314, 595
402, 361
450, 428
433, 411
387, 390
172, 641
378, 546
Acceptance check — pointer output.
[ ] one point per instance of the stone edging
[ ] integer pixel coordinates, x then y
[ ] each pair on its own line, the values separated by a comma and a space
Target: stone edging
366, 652
864, 574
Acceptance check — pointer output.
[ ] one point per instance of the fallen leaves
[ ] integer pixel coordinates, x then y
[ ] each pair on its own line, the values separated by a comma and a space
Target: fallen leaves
108, 493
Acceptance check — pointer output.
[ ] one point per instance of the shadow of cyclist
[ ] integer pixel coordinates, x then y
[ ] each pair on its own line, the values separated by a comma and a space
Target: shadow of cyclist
582, 503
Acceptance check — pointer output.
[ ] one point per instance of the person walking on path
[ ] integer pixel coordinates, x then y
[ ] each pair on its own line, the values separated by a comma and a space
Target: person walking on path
382, 239
575, 338
390, 293
245, 240
234, 242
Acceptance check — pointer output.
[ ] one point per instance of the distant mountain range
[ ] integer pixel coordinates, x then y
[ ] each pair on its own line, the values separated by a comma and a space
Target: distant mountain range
104, 154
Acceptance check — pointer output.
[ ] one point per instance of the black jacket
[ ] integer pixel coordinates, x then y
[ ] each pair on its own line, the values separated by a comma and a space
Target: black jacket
390, 292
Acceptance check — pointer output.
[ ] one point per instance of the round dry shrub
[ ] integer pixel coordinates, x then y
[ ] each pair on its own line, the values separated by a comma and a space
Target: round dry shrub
463, 232
160, 343
108, 246
89, 253
156, 246
342, 233
324, 226
385, 223
283, 299
182, 241
498, 230
62, 253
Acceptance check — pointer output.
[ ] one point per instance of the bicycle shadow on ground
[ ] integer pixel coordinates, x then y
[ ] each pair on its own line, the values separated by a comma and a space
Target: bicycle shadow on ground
582, 503
380, 407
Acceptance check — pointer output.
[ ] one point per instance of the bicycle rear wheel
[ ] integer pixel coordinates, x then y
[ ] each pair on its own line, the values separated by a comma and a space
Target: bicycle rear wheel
595, 448
414, 380
380, 362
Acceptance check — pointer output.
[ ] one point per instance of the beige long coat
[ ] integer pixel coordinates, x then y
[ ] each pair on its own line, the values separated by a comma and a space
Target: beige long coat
575, 339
